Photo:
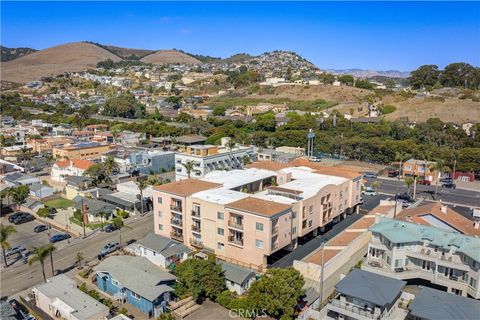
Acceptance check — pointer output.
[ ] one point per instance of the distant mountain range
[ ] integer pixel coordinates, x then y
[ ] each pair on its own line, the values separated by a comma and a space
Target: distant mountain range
361, 73
24, 64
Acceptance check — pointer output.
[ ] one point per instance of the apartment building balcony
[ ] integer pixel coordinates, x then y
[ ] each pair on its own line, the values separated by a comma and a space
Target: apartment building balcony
176, 222
196, 214
235, 224
197, 243
274, 229
176, 236
446, 260
236, 241
176, 206
196, 228
354, 311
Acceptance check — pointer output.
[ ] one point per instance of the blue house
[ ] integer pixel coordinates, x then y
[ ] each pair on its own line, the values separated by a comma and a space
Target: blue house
137, 281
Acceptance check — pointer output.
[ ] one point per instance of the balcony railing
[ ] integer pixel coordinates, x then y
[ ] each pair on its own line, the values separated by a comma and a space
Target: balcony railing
235, 224
274, 229
354, 309
176, 207
177, 236
236, 241
196, 213
196, 228
196, 243
176, 222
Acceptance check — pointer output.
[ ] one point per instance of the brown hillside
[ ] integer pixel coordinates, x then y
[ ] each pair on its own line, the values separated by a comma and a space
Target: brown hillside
125, 53
74, 56
168, 57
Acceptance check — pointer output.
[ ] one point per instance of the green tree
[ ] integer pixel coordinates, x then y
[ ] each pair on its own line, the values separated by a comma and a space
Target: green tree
19, 194
79, 258
219, 111
439, 167
5, 233
277, 292
189, 167
102, 215
401, 156
409, 181
119, 225
199, 278
459, 74
346, 79
97, 173
426, 75
39, 254
110, 166
142, 184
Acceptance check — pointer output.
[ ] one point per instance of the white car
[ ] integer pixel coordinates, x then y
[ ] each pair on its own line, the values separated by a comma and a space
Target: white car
315, 159
369, 192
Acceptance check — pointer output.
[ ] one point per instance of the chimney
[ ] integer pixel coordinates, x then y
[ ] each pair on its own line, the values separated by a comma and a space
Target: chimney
443, 209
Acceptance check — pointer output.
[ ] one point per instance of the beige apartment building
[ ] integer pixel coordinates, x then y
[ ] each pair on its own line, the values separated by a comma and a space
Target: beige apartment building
244, 216
82, 150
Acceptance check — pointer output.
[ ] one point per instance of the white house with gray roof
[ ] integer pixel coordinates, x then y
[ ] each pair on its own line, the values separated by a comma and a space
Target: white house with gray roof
404, 250
237, 279
60, 298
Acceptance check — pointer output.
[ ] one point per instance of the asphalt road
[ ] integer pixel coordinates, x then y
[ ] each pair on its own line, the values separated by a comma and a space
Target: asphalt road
303, 250
459, 197
19, 276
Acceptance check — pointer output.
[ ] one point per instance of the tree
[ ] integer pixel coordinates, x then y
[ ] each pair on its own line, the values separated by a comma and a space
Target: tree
409, 182
45, 213
346, 79
5, 233
142, 184
426, 75
110, 166
25, 154
19, 194
199, 278
79, 258
119, 224
401, 156
189, 167
277, 292
438, 167
102, 215
376, 185
39, 254
48, 161
97, 173
219, 111
459, 74
246, 160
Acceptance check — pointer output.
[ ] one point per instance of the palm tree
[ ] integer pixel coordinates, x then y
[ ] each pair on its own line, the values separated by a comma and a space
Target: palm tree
25, 155
401, 157
438, 168
230, 145
48, 161
5, 232
142, 185
118, 224
110, 166
102, 215
189, 167
40, 254
246, 160
408, 182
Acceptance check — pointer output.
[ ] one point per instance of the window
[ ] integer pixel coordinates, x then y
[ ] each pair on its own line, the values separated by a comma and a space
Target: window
160, 227
220, 215
259, 226
294, 214
473, 283
294, 230
115, 282
310, 223
310, 209
136, 296
220, 246
159, 200
159, 214
259, 244
220, 231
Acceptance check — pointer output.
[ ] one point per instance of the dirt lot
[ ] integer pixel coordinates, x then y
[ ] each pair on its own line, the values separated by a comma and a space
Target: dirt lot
212, 311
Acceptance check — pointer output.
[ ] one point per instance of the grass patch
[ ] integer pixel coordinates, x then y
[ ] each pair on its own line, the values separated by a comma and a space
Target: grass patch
59, 203
91, 226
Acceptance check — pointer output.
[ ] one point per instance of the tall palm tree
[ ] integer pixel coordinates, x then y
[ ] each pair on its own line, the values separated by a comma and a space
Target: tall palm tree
25, 155
401, 157
142, 184
438, 168
110, 166
40, 254
5, 233
189, 167
119, 224
408, 182
48, 161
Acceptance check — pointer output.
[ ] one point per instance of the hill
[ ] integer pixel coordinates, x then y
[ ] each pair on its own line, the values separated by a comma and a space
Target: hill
9, 54
74, 56
169, 57
360, 73
126, 53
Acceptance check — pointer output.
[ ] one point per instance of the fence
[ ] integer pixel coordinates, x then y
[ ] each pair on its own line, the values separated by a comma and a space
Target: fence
39, 313
251, 266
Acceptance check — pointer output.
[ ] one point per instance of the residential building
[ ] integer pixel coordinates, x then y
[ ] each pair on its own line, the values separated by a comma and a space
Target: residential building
20, 179
365, 295
79, 186
68, 168
12, 152
237, 279
274, 155
139, 160
405, 250
41, 191
420, 168
60, 299
432, 304
207, 158
189, 140
81, 150
137, 281
161, 251
93, 207
244, 216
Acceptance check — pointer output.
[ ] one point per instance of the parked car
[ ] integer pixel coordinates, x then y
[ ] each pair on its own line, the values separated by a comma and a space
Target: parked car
406, 197
108, 248
449, 185
369, 191
424, 182
372, 175
15, 250
14, 216
405, 203
392, 173
23, 218
315, 159
40, 228
110, 228
446, 180
18, 307
59, 237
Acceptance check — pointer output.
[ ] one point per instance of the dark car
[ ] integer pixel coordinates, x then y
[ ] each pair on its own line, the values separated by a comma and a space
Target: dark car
40, 228
446, 180
449, 185
110, 228
26, 217
392, 173
18, 307
59, 237
424, 182
15, 216
405, 196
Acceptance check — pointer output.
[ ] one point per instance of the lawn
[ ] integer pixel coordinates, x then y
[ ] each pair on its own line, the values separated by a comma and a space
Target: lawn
59, 203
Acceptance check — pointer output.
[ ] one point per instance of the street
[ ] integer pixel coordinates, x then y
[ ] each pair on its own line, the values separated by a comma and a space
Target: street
20, 276
460, 197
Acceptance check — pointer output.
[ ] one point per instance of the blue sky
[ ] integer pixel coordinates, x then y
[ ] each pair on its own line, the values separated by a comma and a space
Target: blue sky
367, 35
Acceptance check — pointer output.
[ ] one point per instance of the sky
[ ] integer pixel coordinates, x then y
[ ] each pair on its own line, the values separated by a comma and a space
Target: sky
339, 35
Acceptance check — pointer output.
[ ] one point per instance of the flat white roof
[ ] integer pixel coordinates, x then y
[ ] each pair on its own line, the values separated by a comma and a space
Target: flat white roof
236, 178
272, 197
220, 195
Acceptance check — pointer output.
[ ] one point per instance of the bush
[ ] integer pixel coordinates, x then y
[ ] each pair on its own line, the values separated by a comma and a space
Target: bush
388, 109
122, 214
84, 274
